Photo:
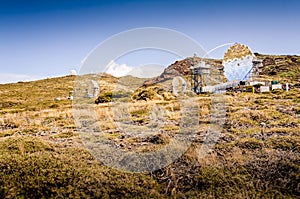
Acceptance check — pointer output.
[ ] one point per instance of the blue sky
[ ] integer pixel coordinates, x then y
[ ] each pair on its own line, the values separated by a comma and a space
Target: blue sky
45, 38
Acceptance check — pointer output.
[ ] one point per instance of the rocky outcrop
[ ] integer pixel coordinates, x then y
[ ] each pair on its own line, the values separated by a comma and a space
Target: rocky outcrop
182, 68
283, 66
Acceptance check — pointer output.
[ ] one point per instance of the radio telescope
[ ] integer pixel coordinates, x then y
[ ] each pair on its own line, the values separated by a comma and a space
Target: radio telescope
237, 63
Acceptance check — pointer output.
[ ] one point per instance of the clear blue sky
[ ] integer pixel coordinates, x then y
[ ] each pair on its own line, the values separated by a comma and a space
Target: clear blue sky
45, 38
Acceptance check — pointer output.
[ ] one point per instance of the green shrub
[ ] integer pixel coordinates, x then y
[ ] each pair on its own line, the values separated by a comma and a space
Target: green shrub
250, 143
285, 143
54, 106
278, 91
143, 94
8, 104
104, 97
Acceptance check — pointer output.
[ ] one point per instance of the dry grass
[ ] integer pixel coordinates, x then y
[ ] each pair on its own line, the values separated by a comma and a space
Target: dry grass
257, 155
45, 171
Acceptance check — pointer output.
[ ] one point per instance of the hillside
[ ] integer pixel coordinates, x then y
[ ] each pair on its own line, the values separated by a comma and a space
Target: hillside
283, 67
257, 155
182, 68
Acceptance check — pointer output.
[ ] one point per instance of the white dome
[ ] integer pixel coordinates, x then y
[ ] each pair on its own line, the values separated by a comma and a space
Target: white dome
73, 72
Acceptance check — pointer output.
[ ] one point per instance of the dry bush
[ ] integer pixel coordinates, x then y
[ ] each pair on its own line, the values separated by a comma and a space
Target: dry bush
238, 175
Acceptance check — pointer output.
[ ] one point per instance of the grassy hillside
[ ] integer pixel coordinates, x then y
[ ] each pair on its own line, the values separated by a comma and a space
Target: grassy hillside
257, 155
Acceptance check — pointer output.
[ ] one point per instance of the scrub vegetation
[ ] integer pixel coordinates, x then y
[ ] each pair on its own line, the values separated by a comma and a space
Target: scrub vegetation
256, 156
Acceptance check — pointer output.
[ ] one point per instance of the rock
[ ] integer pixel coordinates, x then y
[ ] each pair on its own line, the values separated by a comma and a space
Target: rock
262, 124
182, 68
168, 96
157, 139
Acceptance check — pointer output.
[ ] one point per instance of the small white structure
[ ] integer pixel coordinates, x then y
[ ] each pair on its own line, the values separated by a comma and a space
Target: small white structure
257, 83
71, 95
73, 72
208, 89
264, 89
276, 86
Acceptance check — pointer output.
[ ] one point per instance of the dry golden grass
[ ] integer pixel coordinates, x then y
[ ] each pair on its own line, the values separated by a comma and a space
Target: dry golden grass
257, 155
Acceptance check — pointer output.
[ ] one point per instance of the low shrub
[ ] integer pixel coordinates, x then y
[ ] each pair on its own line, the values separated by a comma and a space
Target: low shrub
32, 168
250, 143
104, 97
143, 94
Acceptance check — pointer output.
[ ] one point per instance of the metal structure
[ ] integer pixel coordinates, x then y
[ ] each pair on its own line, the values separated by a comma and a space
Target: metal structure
219, 87
240, 65
198, 72
257, 65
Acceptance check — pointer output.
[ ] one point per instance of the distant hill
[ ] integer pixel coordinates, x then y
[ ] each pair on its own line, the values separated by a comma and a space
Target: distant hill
285, 67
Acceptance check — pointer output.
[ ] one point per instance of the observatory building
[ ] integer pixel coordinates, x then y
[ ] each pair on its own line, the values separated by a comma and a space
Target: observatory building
239, 63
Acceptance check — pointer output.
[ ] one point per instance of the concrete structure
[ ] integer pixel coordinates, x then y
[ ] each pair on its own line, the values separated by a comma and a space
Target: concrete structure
257, 83
276, 86
263, 89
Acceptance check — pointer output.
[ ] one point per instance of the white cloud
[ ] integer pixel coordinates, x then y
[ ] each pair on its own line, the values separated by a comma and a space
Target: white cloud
147, 71
13, 78
117, 70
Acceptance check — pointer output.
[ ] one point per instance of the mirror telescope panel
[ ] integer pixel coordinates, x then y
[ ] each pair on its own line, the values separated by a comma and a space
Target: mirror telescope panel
237, 62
